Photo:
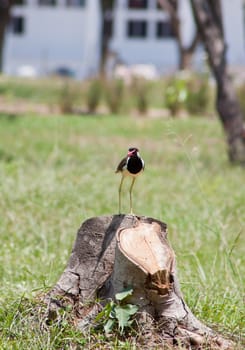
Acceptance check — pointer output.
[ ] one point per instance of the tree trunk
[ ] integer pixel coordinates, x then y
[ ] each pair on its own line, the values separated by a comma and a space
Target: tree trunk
5, 6
106, 14
185, 52
112, 253
208, 18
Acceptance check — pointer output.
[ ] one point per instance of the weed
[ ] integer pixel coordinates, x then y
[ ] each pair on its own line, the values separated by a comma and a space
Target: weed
93, 95
192, 93
176, 94
200, 95
118, 313
67, 98
114, 95
140, 91
240, 95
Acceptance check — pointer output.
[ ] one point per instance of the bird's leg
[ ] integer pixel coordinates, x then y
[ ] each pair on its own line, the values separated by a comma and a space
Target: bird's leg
130, 194
119, 193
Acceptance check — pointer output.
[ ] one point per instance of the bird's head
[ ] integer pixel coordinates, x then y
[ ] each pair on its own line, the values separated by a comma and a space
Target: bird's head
133, 151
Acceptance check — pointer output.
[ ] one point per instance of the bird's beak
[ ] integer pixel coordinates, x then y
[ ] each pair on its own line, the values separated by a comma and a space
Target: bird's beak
130, 153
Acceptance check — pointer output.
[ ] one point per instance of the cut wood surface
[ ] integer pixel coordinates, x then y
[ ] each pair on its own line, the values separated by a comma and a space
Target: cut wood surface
112, 253
146, 247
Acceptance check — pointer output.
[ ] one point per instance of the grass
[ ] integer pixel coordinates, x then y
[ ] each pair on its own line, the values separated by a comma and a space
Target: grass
46, 90
176, 95
55, 172
51, 90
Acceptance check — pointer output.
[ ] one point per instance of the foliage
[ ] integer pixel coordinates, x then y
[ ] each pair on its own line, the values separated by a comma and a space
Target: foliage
240, 94
192, 93
114, 94
176, 95
118, 313
94, 93
200, 94
67, 98
39, 91
140, 91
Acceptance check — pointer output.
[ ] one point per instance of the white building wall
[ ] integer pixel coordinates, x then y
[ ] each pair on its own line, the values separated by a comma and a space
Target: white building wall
233, 21
92, 40
60, 36
55, 36
150, 50
187, 23
163, 52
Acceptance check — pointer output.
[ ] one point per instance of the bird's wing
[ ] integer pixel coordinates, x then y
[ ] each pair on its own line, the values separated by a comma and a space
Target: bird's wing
121, 165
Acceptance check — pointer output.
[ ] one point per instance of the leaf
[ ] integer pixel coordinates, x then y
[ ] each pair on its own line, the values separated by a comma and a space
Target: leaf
99, 316
124, 294
112, 313
109, 325
107, 311
123, 314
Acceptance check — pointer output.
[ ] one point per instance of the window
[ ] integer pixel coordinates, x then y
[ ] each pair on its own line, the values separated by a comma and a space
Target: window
19, 2
159, 7
164, 29
47, 2
75, 3
137, 29
18, 25
137, 4
108, 28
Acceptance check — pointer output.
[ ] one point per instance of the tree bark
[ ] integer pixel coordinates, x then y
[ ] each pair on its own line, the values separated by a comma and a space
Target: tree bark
208, 17
112, 253
5, 6
106, 12
185, 53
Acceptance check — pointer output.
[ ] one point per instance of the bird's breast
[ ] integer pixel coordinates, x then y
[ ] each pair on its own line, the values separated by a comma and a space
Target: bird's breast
134, 165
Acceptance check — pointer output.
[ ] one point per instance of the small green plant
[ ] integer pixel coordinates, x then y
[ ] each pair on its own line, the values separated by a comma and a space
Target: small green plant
114, 95
191, 93
117, 313
176, 95
200, 94
67, 97
240, 94
93, 95
140, 90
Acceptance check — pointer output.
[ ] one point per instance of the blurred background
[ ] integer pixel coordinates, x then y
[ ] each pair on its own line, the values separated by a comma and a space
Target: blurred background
76, 37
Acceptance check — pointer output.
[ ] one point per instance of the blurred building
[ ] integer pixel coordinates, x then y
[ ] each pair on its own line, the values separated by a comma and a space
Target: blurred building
64, 36
143, 33
53, 36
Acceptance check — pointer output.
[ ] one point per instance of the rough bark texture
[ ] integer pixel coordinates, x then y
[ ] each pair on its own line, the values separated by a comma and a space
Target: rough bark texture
106, 13
208, 17
5, 6
185, 52
114, 252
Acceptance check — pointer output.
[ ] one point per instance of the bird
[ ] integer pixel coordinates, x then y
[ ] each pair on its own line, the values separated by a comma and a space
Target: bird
132, 165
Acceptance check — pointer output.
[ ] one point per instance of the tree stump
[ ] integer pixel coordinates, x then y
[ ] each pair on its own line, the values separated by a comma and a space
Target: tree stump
112, 253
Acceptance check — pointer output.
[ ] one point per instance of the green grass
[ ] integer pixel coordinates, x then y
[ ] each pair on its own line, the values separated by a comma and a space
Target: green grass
46, 90
68, 95
50, 90
55, 172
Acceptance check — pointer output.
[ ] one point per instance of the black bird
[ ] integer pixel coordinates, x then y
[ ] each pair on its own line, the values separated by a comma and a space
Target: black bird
132, 165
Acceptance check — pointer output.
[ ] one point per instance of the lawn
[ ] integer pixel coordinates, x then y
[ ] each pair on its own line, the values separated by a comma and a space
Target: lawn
57, 171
